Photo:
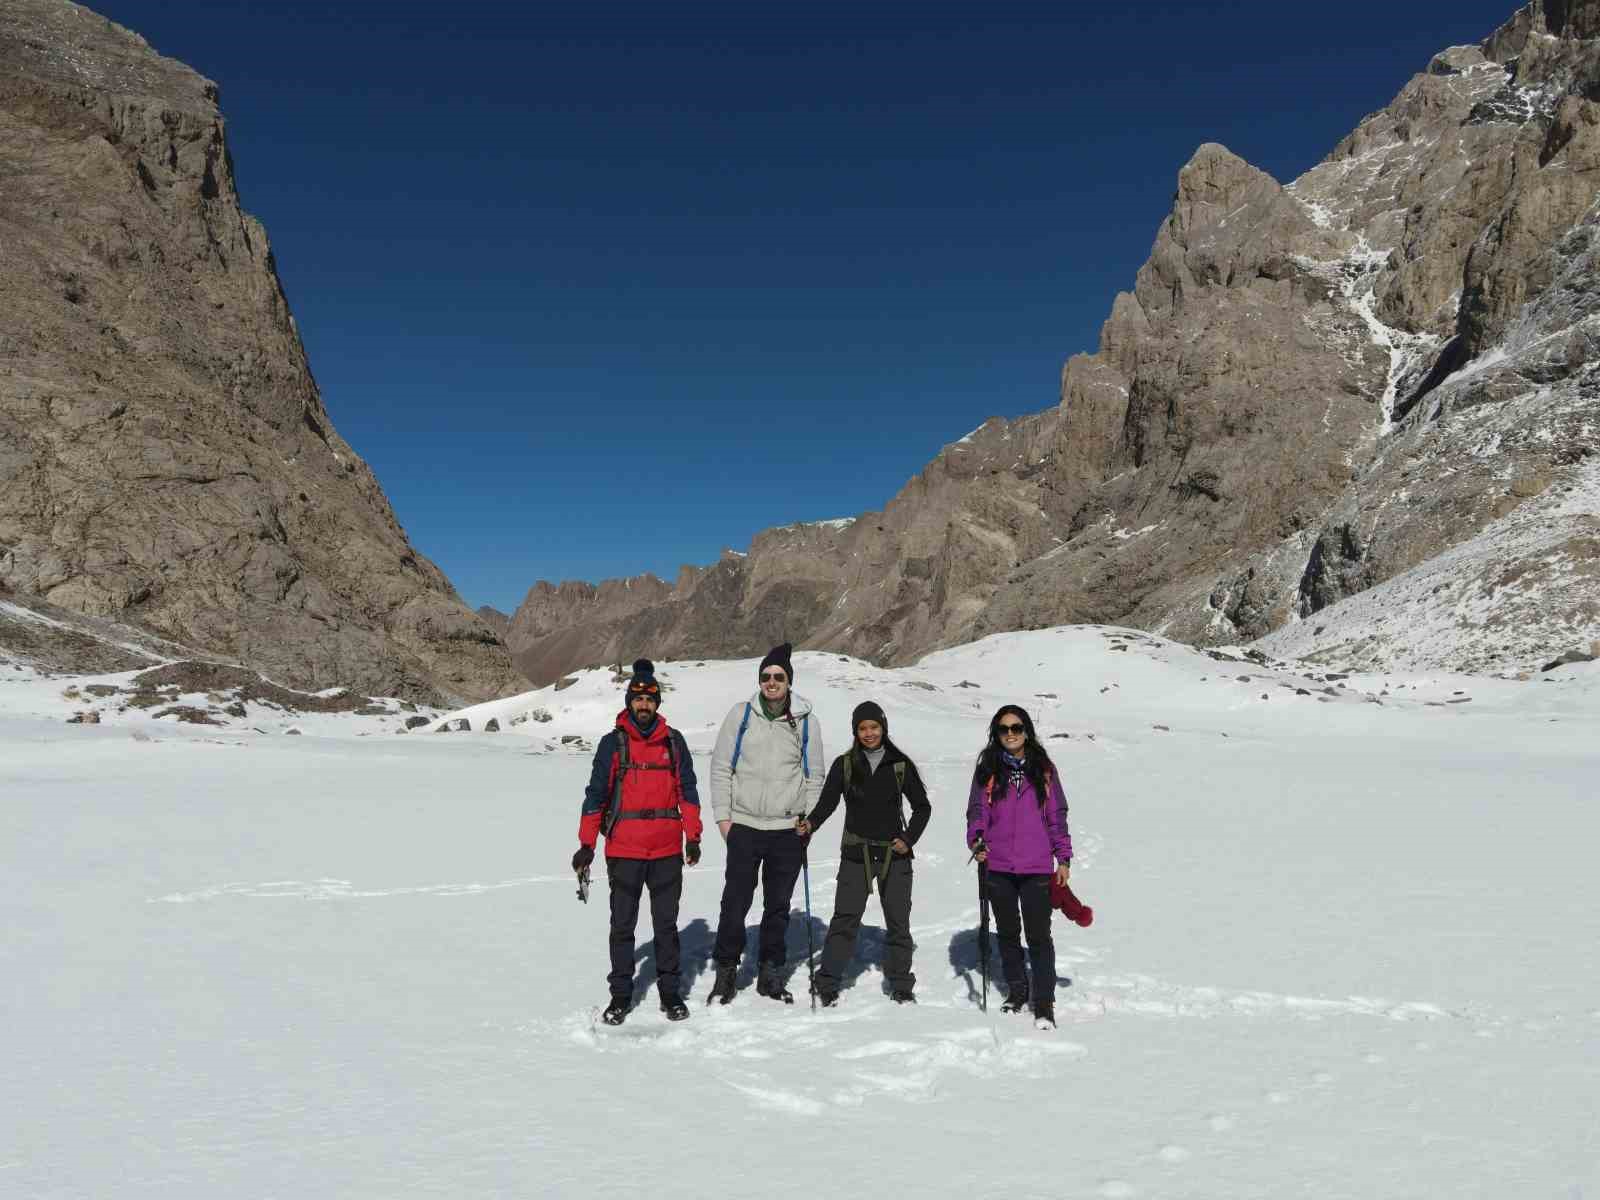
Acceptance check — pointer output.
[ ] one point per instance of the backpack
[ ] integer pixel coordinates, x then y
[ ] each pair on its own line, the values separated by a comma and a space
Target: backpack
805, 742
988, 785
614, 810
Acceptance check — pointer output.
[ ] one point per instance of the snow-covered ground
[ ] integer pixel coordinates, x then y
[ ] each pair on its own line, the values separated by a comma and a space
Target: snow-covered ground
1344, 947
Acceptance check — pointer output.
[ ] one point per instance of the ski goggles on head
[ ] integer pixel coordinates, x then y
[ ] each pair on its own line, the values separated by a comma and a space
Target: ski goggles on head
650, 691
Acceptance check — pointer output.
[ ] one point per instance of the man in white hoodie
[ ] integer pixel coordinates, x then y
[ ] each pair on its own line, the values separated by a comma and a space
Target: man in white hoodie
766, 773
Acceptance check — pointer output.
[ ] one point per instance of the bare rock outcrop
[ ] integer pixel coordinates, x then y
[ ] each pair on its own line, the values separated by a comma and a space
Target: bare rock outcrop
165, 456
1311, 389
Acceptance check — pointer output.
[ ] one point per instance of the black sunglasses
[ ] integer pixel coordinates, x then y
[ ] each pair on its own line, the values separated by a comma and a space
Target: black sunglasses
773, 677
1004, 729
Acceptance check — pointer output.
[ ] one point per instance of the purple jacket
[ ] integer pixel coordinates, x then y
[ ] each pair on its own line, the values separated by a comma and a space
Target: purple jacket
1021, 837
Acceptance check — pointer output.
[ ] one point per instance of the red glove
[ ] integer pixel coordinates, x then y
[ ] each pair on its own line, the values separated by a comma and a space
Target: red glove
1071, 907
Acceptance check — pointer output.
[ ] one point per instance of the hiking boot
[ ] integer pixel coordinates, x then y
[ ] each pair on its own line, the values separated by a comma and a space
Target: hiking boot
616, 1012
827, 997
769, 983
902, 996
1016, 998
723, 990
1044, 1015
675, 1008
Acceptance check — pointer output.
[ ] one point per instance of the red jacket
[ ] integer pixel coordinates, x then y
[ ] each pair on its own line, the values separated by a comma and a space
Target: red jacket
649, 785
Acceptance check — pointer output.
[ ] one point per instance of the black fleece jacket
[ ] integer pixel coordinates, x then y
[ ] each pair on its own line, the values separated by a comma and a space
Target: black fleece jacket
872, 807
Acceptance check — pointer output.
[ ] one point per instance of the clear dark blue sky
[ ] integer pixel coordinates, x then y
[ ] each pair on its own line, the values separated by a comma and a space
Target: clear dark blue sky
599, 288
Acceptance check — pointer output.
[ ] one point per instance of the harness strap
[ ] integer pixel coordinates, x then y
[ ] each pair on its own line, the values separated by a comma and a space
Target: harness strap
868, 846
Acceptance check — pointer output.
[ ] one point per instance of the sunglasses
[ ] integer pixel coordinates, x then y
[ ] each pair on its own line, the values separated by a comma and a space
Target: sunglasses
1006, 730
649, 691
773, 677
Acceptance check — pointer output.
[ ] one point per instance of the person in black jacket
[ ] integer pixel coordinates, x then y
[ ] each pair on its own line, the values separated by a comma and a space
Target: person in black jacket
871, 777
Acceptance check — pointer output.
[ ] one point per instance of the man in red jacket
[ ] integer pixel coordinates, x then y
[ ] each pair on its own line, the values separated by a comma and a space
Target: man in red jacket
642, 796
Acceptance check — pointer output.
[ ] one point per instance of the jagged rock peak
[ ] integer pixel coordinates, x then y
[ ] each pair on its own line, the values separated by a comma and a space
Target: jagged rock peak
1309, 389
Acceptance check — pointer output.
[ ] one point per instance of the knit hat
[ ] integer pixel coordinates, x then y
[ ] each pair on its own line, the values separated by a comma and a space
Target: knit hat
867, 710
643, 680
778, 656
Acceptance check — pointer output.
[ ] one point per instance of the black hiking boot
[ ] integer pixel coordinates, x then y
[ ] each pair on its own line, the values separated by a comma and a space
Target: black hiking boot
902, 996
1016, 998
769, 983
675, 1008
827, 997
616, 1012
1044, 1015
723, 990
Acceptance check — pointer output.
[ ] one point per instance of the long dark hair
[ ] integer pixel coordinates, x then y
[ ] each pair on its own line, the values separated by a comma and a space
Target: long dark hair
1037, 765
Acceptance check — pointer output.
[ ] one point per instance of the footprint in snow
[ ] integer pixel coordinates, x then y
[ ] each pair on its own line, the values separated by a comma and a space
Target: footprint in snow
878, 1049
781, 1101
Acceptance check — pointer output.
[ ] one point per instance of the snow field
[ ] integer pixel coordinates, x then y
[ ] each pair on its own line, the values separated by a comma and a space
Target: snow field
1343, 947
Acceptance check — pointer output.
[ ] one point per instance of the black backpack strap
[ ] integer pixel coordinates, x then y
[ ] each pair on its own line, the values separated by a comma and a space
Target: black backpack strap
616, 787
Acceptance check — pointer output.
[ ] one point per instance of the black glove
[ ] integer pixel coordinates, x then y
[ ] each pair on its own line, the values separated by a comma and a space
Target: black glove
582, 858
691, 853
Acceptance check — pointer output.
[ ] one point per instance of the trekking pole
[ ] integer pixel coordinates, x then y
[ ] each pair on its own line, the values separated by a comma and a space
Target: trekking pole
811, 934
983, 931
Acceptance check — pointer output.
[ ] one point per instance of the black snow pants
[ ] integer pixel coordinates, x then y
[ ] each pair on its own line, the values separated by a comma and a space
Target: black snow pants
629, 877
850, 903
775, 855
1008, 892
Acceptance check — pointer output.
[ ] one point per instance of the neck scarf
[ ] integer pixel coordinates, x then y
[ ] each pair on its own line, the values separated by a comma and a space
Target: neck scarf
1014, 769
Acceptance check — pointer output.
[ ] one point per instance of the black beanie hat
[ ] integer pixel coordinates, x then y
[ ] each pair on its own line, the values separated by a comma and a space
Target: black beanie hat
867, 710
778, 656
643, 680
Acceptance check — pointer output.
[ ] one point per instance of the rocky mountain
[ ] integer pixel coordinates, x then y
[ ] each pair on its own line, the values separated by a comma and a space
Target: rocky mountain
1387, 366
165, 455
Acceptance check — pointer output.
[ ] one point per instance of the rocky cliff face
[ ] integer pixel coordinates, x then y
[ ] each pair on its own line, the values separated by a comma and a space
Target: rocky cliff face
1310, 390
165, 456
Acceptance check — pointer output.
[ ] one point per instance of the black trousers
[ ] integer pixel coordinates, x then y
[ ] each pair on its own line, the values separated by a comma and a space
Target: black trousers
775, 856
629, 877
1031, 894
849, 903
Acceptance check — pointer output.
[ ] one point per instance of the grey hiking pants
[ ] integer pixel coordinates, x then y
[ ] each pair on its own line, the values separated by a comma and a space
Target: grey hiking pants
850, 903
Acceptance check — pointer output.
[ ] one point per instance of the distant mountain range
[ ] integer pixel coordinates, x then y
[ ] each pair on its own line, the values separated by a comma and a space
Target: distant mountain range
1357, 415
1388, 366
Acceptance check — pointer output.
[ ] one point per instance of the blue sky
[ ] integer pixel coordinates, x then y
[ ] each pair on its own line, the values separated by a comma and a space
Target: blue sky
603, 288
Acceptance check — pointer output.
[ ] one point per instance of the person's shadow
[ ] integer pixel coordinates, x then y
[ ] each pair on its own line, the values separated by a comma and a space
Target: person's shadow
695, 942
966, 962
698, 941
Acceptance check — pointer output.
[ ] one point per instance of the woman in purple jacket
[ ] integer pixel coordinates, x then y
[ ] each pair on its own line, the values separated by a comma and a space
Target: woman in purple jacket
1017, 825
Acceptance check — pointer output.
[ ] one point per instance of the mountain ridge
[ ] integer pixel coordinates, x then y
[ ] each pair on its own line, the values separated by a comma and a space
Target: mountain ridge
1288, 362
165, 454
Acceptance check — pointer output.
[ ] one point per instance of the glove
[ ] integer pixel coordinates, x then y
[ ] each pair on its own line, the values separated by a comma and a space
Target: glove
582, 858
691, 853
